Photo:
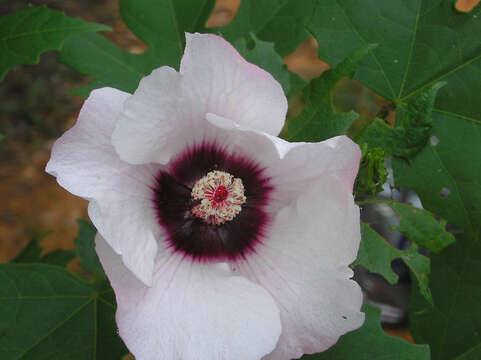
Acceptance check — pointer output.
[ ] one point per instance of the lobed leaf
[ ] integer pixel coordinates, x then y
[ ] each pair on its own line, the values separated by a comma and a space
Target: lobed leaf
422, 42
26, 34
451, 326
412, 130
372, 174
32, 253
262, 53
317, 121
370, 342
446, 176
421, 227
75, 321
85, 247
281, 22
472, 354
58, 257
161, 24
376, 255
449, 186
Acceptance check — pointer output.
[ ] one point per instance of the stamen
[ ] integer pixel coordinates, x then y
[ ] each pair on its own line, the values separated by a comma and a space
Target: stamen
221, 197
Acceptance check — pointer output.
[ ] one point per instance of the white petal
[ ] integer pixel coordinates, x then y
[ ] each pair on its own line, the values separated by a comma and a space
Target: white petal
218, 80
82, 158
86, 164
303, 263
304, 163
252, 144
153, 123
292, 167
192, 311
167, 111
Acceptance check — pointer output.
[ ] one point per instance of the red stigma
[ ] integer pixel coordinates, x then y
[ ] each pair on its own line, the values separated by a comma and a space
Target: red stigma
220, 194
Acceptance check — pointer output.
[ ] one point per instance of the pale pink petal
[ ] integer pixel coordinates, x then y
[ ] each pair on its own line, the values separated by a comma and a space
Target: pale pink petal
154, 122
303, 262
86, 164
193, 311
216, 79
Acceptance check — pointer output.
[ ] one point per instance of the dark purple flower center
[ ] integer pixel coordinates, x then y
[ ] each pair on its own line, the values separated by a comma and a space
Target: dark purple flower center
193, 235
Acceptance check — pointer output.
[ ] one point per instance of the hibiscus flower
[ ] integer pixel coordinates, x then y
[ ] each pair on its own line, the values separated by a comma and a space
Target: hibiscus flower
220, 240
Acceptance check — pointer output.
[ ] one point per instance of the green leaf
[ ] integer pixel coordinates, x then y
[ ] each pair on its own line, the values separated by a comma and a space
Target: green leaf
376, 255
452, 325
161, 24
420, 41
317, 120
281, 22
446, 176
413, 128
48, 313
370, 342
472, 354
58, 257
421, 227
372, 173
263, 54
32, 253
26, 34
85, 247
446, 173
93, 54
296, 84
